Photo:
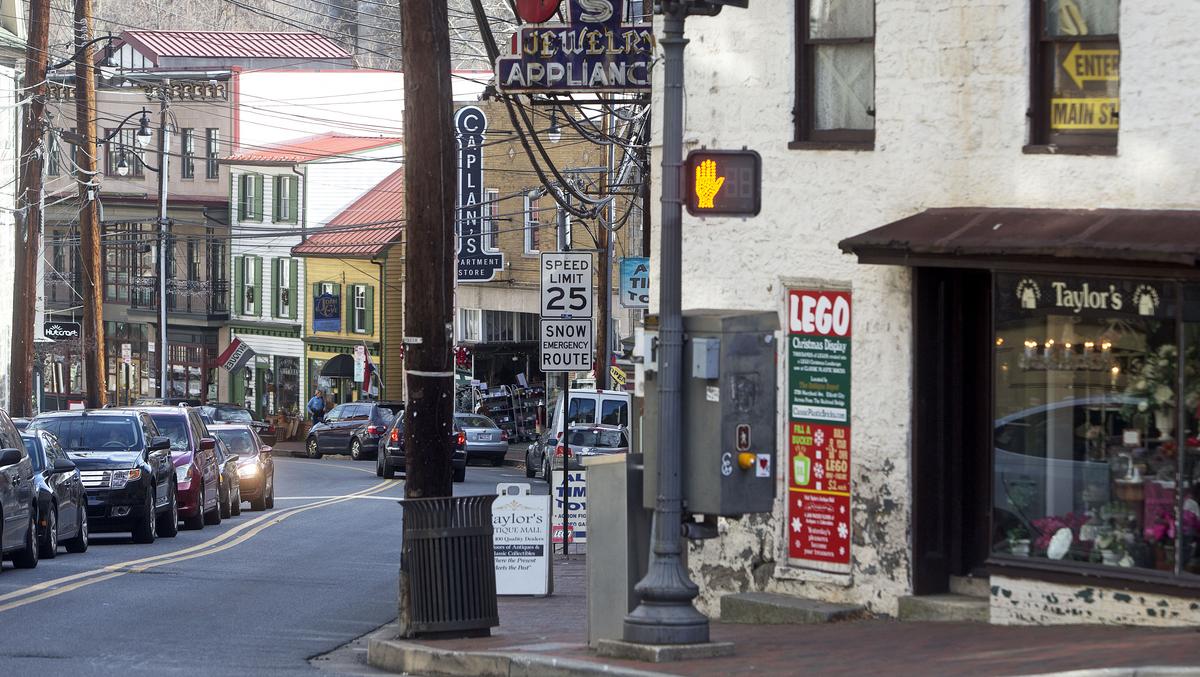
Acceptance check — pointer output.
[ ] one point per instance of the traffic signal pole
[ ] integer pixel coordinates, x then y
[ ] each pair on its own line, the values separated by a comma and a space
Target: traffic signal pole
665, 614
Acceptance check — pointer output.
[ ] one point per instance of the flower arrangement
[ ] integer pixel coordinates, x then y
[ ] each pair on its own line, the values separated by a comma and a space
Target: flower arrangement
1153, 375
1048, 526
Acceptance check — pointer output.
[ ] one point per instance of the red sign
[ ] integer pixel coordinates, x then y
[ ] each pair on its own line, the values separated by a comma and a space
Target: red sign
819, 380
536, 11
819, 493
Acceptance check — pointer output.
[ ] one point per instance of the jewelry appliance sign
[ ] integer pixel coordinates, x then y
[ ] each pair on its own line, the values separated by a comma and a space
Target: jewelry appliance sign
818, 527
595, 51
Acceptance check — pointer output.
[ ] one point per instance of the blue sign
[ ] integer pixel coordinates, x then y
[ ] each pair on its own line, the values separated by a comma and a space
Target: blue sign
635, 282
327, 313
474, 263
594, 52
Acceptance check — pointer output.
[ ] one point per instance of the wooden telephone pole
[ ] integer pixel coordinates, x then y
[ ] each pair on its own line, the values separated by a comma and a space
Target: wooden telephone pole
28, 243
91, 275
429, 198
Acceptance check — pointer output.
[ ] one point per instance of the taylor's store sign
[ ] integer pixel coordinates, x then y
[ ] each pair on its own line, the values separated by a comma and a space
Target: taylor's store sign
1035, 294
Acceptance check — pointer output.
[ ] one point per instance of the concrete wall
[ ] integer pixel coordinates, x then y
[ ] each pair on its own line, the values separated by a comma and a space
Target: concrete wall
951, 95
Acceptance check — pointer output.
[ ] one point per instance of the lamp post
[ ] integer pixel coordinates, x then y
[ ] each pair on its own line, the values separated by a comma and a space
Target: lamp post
142, 138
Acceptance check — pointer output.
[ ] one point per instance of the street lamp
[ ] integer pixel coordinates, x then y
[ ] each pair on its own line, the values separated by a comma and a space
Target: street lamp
555, 132
122, 165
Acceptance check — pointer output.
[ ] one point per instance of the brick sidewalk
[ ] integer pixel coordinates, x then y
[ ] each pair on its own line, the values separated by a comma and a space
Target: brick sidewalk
555, 627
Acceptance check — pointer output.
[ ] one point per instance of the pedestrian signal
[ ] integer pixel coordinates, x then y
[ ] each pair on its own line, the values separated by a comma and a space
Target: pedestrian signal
723, 182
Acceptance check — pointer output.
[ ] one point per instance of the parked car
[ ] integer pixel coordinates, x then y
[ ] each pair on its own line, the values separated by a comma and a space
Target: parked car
256, 465
229, 489
233, 413
485, 440
61, 498
193, 451
18, 512
392, 458
125, 466
546, 455
592, 407
353, 428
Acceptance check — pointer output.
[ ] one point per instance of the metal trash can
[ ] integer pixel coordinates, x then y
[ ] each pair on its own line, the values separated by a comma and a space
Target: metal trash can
448, 567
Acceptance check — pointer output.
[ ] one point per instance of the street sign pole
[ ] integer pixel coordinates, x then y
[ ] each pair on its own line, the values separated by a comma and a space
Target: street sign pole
665, 614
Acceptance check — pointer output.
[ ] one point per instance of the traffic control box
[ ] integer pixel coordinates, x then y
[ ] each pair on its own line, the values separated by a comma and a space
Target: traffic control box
729, 419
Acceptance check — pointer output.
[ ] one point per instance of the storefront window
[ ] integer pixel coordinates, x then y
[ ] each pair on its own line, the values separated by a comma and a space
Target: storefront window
287, 372
1087, 463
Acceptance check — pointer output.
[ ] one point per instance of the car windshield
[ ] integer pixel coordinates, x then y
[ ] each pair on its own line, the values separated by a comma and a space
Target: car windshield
472, 421
31, 447
91, 433
233, 415
385, 414
595, 438
173, 426
239, 440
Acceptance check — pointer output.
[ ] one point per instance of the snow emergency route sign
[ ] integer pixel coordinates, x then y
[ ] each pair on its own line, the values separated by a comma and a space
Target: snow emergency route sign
819, 522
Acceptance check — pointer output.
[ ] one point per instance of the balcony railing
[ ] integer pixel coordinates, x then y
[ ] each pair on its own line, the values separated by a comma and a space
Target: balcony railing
190, 297
62, 290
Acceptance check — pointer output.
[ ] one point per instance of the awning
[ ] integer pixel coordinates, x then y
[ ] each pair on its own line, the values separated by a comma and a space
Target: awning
962, 235
341, 366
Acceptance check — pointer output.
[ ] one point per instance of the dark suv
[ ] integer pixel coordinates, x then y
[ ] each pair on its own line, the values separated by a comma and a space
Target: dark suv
391, 454
18, 516
193, 452
125, 465
353, 428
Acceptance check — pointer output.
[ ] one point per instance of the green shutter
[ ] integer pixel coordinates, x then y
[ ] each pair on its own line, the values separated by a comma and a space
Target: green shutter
258, 285
294, 289
239, 284
275, 265
337, 293
243, 206
275, 199
370, 314
294, 199
258, 197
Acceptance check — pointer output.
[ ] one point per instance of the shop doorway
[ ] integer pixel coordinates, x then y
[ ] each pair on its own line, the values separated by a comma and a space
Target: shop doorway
952, 425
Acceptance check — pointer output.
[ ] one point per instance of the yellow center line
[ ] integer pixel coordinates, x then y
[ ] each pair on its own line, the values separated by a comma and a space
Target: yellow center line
212, 546
329, 465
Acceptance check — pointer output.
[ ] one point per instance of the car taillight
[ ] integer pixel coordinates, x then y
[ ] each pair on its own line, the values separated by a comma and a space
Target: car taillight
462, 439
395, 436
374, 430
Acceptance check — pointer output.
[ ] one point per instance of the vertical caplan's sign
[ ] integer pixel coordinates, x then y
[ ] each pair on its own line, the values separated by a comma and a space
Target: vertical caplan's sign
475, 264
594, 52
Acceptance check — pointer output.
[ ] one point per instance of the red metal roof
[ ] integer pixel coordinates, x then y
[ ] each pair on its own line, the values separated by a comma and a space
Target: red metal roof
233, 44
330, 144
364, 229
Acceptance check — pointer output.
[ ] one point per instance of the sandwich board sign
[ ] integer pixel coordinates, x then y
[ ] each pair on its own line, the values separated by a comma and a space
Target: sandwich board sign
521, 541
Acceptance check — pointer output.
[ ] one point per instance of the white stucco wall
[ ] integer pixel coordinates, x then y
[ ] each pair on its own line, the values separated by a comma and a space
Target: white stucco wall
951, 95
9, 151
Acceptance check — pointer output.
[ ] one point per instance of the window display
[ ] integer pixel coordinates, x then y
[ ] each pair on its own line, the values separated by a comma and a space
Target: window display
1090, 464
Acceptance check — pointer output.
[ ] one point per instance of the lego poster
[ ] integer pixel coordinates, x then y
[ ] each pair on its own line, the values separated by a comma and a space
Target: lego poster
819, 340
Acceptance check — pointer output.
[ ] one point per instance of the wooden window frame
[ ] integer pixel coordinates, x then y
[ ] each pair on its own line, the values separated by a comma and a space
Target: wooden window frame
1041, 81
491, 222
212, 149
358, 291
807, 136
187, 153
531, 241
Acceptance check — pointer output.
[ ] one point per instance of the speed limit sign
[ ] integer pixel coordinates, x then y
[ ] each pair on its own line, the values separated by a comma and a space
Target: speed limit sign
566, 285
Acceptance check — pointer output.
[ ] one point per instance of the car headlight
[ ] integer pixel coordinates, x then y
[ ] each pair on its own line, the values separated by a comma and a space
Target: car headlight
248, 470
182, 472
122, 477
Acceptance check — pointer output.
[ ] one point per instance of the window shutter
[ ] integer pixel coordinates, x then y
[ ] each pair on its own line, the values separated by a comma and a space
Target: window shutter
258, 285
294, 199
239, 284
258, 197
294, 289
276, 264
242, 202
275, 199
370, 314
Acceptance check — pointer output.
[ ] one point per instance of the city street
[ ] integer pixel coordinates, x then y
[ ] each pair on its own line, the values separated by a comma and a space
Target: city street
260, 594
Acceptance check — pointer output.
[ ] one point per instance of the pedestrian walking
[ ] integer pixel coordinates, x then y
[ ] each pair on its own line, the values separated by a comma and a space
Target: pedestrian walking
316, 407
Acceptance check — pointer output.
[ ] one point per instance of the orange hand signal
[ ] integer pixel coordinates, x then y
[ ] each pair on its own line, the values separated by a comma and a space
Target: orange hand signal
707, 184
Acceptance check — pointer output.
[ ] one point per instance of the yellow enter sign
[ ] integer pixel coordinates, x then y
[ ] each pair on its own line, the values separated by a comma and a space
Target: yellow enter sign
1089, 65
617, 374
1084, 113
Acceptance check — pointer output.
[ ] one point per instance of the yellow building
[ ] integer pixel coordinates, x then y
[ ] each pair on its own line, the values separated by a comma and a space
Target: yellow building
351, 293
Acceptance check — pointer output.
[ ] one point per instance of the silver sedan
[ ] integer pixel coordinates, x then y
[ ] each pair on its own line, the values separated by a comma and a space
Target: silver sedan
485, 439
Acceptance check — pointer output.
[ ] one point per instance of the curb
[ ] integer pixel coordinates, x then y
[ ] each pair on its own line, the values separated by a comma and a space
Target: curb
412, 658
1143, 671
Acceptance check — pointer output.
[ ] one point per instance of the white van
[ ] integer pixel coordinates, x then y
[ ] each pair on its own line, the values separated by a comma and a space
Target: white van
593, 407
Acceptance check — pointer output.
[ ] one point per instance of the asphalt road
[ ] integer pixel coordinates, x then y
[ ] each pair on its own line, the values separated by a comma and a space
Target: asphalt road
261, 594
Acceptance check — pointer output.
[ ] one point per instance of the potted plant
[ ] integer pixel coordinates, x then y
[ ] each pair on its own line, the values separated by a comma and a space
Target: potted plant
1018, 541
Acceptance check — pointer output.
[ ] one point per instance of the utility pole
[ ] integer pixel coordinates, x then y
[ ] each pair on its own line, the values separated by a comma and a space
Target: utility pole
92, 275
27, 244
429, 197
164, 144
